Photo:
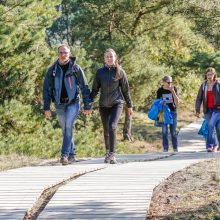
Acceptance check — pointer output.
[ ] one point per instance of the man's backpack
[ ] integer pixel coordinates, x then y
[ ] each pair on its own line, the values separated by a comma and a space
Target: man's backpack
74, 70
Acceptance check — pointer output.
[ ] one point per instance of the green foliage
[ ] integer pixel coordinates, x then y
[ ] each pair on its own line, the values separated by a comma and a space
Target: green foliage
190, 82
217, 217
25, 132
152, 39
203, 60
23, 52
98, 25
204, 14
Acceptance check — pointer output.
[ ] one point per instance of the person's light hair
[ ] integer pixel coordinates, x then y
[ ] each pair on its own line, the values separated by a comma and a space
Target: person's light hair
63, 45
167, 78
211, 69
118, 68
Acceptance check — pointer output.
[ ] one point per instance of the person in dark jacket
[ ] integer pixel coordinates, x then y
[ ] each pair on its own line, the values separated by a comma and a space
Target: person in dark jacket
61, 85
209, 96
168, 92
113, 85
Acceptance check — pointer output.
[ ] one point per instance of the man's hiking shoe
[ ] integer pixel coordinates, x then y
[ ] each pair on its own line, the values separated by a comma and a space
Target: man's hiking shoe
112, 158
72, 159
64, 160
107, 158
209, 149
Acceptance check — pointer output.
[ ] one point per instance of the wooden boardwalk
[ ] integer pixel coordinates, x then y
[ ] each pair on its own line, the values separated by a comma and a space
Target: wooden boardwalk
121, 191
19, 188
117, 192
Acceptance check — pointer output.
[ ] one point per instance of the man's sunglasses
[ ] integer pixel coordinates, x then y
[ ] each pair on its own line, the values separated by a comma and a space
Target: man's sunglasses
169, 82
60, 52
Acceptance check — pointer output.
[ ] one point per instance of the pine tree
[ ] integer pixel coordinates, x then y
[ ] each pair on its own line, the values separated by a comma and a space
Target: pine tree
24, 53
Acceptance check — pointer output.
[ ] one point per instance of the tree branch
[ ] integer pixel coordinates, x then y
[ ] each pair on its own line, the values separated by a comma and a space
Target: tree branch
14, 6
147, 11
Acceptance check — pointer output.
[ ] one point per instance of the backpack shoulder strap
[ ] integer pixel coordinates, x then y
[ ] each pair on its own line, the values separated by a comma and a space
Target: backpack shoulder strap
75, 70
53, 70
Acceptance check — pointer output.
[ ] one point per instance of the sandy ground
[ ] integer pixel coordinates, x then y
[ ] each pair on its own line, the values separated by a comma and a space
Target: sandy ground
192, 193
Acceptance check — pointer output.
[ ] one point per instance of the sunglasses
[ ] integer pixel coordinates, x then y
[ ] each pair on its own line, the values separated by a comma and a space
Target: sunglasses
169, 82
60, 52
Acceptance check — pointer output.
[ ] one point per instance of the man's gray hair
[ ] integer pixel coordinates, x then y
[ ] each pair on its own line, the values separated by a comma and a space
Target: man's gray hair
167, 78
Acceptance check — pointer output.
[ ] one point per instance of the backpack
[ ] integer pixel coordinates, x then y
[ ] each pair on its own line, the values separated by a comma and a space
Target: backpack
74, 70
204, 129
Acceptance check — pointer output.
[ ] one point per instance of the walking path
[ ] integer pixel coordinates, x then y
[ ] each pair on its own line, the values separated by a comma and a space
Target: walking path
189, 140
121, 191
19, 188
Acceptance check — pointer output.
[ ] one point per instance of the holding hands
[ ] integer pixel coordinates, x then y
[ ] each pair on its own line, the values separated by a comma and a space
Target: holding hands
87, 112
47, 114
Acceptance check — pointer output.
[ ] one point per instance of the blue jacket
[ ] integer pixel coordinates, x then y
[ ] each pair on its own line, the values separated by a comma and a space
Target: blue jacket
53, 85
157, 107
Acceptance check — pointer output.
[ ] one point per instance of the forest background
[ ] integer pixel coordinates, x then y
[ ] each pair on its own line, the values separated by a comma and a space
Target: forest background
152, 38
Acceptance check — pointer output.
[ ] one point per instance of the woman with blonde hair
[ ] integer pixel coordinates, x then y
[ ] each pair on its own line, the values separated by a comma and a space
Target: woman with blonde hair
113, 85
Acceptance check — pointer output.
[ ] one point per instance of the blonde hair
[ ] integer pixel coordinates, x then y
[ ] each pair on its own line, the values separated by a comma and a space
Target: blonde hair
118, 67
211, 69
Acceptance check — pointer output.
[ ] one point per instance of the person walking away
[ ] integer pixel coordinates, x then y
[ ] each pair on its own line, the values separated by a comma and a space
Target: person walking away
209, 96
168, 92
113, 85
62, 83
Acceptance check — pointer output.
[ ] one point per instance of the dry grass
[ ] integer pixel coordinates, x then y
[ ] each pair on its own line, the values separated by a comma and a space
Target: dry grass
13, 161
192, 193
147, 138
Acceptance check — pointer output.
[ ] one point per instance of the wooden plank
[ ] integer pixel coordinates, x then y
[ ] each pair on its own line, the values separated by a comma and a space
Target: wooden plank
111, 190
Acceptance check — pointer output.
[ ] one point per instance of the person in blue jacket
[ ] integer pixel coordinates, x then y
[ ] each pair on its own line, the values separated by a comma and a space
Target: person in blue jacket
168, 92
113, 85
61, 85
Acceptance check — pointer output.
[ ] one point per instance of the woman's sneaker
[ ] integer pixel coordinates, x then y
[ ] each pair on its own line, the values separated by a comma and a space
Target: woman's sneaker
112, 158
107, 158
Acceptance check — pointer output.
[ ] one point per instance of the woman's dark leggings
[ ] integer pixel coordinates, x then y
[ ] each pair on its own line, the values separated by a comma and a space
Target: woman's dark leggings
110, 117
